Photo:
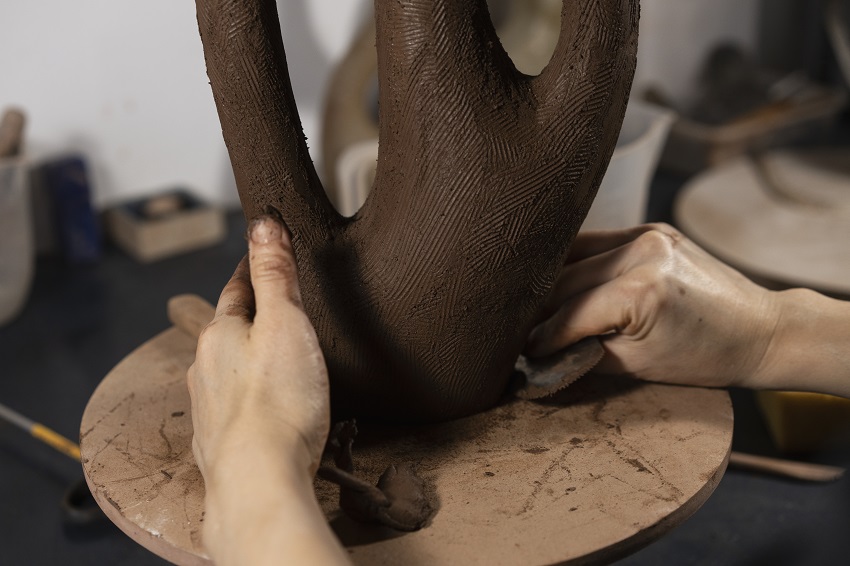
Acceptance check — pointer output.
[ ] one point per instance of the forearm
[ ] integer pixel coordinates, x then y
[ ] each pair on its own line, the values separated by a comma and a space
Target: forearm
261, 509
810, 348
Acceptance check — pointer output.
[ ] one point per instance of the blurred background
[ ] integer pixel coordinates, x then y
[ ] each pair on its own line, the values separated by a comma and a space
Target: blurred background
125, 83
116, 193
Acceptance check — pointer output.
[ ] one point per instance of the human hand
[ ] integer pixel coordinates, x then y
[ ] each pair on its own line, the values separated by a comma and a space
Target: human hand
259, 375
665, 309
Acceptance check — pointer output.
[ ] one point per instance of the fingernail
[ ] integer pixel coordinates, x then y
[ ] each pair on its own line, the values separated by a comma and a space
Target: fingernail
265, 229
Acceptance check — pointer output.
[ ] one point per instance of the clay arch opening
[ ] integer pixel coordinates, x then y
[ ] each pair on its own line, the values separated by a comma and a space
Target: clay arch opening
528, 30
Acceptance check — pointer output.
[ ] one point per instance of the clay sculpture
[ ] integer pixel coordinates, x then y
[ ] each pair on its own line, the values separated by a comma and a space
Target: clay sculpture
422, 300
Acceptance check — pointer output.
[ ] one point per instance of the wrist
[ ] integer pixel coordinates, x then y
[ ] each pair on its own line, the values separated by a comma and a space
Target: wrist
254, 477
246, 450
810, 345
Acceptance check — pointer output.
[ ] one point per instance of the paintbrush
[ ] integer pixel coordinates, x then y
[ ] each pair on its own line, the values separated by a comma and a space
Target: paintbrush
11, 132
41, 432
78, 505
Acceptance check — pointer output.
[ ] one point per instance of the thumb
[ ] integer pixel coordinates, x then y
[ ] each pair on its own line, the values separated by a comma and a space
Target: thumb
274, 273
591, 313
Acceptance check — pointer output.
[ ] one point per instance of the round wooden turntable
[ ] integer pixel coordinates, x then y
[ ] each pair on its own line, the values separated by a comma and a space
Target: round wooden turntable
783, 217
595, 473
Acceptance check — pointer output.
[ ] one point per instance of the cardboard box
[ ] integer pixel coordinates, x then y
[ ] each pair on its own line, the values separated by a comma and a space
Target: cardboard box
165, 225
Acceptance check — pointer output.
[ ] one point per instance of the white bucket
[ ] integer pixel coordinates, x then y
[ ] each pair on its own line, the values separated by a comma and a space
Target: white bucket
622, 197
620, 202
16, 237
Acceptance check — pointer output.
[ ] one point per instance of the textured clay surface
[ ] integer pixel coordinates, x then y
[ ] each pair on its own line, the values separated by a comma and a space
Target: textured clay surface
422, 300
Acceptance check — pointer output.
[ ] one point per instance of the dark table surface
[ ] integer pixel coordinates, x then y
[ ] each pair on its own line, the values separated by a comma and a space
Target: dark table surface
81, 321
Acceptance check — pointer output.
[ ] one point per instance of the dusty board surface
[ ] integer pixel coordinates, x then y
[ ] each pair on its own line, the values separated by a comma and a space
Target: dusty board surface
603, 470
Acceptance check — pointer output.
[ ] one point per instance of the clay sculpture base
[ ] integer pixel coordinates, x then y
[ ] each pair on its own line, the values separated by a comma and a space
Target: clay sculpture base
596, 473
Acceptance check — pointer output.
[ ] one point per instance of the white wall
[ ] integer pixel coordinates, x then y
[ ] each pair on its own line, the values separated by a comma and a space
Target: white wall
125, 83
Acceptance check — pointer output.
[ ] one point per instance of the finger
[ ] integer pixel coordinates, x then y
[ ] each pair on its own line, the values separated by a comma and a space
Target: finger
591, 313
604, 255
578, 277
237, 297
594, 242
274, 273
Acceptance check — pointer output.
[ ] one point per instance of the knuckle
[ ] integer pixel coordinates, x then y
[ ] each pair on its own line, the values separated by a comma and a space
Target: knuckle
209, 341
191, 377
207, 335
245, 312
239, 286
646, 287
672, 233
273, 267
658, 243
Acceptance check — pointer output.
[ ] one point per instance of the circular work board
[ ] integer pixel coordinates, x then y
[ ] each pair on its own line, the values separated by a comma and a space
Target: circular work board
780, 218
594, 474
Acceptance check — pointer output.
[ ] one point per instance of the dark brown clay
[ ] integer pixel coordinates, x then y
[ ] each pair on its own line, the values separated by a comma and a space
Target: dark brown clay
422, 300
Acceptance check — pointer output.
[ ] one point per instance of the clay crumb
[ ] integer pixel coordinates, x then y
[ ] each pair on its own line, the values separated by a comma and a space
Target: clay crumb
636, 464
536, 450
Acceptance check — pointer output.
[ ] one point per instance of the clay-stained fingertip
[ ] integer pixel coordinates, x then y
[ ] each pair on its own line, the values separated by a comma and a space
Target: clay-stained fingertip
264, 230
268, 227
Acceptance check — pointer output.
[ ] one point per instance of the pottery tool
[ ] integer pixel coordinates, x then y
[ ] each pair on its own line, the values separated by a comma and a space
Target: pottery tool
11, 132
41, 432
78, 506
546, 376
802, 471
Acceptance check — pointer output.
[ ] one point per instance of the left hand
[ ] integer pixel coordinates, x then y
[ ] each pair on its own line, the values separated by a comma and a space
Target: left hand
259, 374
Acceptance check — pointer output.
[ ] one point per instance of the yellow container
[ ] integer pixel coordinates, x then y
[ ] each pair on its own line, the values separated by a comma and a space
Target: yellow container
803, 422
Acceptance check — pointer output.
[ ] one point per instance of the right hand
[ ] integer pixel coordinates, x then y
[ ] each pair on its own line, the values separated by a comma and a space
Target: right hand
665, 309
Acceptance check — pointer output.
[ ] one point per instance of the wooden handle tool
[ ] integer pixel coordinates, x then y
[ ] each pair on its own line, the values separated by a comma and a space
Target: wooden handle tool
190, 313
785, 468
11, 132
